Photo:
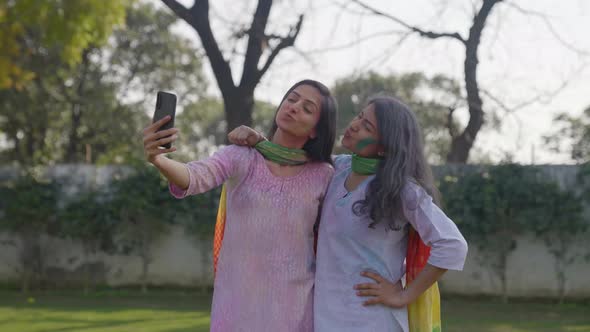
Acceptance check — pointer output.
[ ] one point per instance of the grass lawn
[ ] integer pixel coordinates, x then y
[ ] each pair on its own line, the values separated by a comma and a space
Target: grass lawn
175, 311
109, 311
491, 315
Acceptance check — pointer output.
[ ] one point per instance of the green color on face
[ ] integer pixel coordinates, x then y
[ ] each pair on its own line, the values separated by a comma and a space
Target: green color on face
364, 143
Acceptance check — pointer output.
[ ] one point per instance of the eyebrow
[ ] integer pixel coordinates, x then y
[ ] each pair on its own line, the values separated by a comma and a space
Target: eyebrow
362, 115
307, 100
369, 122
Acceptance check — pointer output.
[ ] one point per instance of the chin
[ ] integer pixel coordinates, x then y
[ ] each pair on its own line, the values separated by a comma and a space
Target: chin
282, 125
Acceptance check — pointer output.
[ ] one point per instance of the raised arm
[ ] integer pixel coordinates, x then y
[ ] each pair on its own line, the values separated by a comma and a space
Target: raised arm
174, 171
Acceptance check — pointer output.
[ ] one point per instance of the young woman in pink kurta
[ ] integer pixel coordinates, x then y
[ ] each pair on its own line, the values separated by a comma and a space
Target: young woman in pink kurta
265, 272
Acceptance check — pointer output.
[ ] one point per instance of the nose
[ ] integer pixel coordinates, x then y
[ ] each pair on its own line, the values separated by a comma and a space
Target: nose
295, 107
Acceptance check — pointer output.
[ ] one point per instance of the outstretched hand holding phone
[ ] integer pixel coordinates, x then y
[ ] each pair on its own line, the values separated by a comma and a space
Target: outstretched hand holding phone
154, 140
157, 140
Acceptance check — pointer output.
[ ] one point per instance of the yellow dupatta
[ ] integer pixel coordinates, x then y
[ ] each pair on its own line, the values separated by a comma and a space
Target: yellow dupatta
424, 313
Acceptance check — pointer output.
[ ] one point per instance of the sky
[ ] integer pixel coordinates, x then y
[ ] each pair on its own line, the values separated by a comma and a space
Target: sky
524, 60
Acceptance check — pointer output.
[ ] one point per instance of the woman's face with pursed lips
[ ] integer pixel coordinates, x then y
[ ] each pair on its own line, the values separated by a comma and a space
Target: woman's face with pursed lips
362, 135
299, 113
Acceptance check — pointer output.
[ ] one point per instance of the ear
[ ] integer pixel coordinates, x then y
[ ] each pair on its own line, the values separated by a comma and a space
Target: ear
380, 151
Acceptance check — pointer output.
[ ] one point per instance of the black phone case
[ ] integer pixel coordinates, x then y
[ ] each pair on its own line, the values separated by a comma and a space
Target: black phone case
165, 105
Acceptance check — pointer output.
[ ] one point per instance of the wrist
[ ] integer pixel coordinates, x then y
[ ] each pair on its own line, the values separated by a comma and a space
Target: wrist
406, 297
157, 161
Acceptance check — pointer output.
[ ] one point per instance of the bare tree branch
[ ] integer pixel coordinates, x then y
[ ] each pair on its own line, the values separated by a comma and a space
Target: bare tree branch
257, 41
238, 100
306, 57
285, 42
388, 53
178, 9
543, 97
543, 17
461, 143
198, 17
357, 41
421, 32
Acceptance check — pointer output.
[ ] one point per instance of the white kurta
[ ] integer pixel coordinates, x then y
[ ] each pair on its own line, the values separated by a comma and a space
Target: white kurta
347, 246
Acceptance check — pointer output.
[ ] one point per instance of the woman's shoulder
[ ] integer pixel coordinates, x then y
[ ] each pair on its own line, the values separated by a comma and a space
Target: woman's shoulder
342, 161
413, 194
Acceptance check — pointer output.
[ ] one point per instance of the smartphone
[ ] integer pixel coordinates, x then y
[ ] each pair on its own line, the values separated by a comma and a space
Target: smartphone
165, 105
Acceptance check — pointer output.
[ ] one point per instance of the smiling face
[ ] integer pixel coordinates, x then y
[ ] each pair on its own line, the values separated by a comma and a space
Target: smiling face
300, 112
362, 134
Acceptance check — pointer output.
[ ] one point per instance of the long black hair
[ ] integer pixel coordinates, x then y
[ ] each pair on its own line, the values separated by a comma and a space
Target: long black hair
320, 147
404, 160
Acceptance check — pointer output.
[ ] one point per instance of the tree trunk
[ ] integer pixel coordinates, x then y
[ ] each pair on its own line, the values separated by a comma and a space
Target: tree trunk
144, 273
238, 98
30, 256
504, 277
461, 145
76, 112
145, 258
86, 270
560, 272
238, 108
26, 280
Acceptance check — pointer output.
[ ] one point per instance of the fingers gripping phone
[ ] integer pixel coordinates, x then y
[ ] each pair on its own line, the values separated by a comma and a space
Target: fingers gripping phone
165, 105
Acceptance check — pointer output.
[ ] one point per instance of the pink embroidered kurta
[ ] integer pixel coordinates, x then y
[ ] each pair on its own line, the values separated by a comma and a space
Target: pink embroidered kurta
265, 272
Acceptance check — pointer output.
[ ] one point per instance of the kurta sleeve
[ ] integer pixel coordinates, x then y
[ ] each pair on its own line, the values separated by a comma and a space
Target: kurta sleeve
211, 172
448, 246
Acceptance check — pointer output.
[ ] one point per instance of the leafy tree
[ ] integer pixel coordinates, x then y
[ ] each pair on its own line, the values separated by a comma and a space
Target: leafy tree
493, 206
64, 27
146, 56
577, 129
82, 114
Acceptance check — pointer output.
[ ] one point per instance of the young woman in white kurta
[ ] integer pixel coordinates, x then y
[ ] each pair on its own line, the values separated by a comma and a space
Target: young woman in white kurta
363, 231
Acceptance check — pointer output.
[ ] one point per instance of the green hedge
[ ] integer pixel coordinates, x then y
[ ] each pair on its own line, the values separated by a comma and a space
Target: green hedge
495, 205
492, 206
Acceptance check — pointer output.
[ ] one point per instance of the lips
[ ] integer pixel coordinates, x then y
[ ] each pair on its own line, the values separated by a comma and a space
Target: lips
288, 117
